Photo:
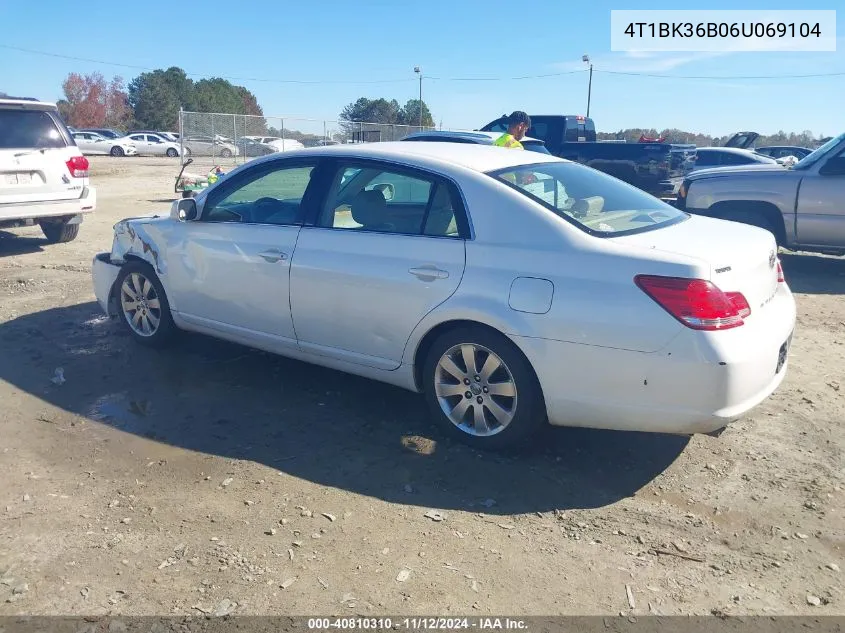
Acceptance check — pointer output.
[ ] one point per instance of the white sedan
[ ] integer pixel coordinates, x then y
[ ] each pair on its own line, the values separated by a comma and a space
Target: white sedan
92, 143
512, 288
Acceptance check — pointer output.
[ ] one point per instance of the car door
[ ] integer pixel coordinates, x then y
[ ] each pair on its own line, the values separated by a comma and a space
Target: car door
141, 144
821, 204
386, 248
229, 269
156, 146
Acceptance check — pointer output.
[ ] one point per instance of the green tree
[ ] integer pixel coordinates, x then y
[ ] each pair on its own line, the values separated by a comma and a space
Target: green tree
410, 114
156, 97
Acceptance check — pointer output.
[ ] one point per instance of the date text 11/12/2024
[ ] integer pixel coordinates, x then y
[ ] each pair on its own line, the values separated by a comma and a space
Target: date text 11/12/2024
417, 624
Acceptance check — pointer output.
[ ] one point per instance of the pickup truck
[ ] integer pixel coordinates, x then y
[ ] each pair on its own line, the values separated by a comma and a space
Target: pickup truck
802, 205
656, 168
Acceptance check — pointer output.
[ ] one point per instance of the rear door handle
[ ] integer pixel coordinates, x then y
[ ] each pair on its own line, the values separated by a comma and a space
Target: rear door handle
428, 273
272, 256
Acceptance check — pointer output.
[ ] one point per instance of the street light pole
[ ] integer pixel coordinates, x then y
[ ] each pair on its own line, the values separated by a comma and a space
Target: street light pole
586, 60
418, 70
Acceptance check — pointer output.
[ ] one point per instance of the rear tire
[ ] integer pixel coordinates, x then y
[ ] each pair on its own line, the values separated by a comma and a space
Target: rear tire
172, 153
117, 151
59, 233
488, 410
142, 305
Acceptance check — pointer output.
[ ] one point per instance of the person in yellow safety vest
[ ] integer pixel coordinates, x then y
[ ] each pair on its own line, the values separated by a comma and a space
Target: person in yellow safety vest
518, 124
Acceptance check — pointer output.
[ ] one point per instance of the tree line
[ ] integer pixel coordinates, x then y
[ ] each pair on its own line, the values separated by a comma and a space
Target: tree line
674, 135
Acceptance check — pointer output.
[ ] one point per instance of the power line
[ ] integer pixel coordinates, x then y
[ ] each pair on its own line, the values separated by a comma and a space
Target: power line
227, 77
409, 79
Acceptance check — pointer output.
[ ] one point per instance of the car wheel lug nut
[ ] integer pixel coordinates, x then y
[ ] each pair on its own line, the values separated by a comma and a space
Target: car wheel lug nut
479, 400
468, 395
466, 381
478, 379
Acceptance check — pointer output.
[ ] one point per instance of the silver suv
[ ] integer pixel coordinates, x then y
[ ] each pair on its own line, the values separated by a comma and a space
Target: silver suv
43, 174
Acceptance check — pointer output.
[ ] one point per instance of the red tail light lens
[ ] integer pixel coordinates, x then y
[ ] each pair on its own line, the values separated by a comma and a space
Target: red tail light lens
780, 273
78, 166
696, 303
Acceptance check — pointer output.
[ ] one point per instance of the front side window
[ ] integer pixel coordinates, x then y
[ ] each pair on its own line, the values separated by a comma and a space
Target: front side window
390, 201
706, 159
137, 137
591, 200
269, 195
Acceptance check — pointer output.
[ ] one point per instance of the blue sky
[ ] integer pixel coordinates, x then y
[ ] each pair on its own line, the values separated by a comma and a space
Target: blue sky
376, 40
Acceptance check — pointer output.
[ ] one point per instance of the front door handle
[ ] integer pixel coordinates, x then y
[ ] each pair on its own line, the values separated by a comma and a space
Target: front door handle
272, 256
428, 273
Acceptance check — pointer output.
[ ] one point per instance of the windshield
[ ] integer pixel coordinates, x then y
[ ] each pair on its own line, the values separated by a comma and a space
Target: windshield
814, 156
591, 200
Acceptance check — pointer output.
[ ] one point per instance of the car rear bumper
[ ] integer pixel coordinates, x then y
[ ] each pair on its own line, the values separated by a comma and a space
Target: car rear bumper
104, 274
86, 203
698, 383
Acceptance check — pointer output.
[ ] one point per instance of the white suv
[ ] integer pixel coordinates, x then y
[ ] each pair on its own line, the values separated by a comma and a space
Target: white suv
43, 174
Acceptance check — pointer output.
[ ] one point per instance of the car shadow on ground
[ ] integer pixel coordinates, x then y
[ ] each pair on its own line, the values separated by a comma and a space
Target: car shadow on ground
13, 244
313, 423
814, 274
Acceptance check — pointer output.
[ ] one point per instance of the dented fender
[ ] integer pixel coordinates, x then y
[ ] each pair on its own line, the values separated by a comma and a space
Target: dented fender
135, 238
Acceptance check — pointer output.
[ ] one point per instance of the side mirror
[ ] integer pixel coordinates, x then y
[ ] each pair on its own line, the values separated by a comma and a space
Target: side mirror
833, 167
387, 190
187, 209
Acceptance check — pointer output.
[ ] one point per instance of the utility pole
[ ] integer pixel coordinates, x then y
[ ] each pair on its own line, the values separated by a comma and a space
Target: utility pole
418, 70
586, 60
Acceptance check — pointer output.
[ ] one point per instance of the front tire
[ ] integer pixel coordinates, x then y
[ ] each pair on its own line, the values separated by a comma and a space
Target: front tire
117, 151
481, 389
172, 153
226, 153
59, 233
142, 305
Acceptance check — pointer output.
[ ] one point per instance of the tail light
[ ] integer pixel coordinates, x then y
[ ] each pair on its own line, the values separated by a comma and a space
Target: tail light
78, 166
697, 303
780, 273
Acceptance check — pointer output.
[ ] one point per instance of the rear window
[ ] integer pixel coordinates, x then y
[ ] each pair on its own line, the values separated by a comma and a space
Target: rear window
591, 200
29, 129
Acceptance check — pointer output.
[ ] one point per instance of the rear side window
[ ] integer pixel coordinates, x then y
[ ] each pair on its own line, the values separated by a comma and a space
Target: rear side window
29, 129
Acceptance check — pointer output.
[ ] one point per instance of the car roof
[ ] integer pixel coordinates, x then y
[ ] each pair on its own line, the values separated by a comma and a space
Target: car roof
480, 158
28, 104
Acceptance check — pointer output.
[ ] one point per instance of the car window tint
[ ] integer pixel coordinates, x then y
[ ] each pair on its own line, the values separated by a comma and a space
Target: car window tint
729, 158
28, 129
137, 137
706, 159
269, 197
386, 201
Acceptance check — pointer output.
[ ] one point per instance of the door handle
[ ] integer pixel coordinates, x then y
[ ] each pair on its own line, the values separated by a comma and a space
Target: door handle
272, 256
428, 273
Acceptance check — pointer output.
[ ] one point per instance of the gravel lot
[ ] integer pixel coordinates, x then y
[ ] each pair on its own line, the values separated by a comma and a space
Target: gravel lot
209, 478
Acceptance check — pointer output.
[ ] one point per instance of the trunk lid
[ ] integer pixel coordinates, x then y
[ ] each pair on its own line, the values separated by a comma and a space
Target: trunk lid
742, 140
742, 258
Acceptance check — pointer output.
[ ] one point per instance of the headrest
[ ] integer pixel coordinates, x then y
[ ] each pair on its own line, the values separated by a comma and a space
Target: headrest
369, 208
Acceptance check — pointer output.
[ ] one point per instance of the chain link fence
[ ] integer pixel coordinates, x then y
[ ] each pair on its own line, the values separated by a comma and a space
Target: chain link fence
225, 140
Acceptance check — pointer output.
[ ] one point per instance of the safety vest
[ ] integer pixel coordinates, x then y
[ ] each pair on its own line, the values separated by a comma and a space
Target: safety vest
508, 141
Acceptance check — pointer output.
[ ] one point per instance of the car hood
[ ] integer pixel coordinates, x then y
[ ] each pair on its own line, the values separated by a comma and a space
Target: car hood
738, 169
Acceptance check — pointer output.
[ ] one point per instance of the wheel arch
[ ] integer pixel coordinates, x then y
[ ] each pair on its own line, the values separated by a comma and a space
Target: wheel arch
767, 210
425, 342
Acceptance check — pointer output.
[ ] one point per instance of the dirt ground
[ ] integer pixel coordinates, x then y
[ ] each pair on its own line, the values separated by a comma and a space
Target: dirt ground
209, 478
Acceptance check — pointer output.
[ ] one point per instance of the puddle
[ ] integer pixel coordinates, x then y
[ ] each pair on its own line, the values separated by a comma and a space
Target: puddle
121, 411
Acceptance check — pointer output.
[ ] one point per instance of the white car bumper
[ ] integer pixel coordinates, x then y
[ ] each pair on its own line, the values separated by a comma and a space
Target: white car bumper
698, 383
86, 203
104, 274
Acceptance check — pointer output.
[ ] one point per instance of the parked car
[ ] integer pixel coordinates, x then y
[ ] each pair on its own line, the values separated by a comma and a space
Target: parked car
708, 157
43, 174
154, 145
105, 132
783, 151
582, 301
801, 205
167, 136
480, 138
92, 143
198, 145
251, 148
657, 168
281, 144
